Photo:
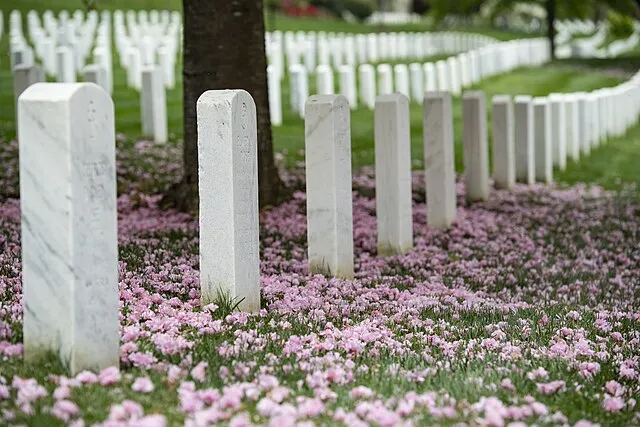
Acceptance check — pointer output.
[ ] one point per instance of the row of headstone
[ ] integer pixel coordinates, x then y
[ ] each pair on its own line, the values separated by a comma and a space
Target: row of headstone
571, 42
142, 41
65, 45
311, 49
77, 318
453, 74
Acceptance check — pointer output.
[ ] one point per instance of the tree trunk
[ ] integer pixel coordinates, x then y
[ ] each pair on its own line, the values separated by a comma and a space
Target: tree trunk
551, 22
224, 48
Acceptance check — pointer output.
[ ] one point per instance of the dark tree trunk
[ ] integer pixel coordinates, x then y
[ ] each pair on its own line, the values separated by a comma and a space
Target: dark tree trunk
551, 22
224, 49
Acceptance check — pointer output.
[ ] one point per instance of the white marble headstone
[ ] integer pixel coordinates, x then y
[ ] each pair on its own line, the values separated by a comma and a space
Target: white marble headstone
401, 77
228, 177
475, 147
153, 105
385, 79
348, 85
524, 139
324, 80
69, 224
504, 162
439, 160
328, 176
367, 85
275, 96
558, 130
542, 135
393, 174
417, 83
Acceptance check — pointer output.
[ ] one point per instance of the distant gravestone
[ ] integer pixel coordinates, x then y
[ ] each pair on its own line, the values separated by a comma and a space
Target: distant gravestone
584, 116
476, 156
504, 162
558, 130
430, 79
367, 85
542, 135
440, 175
328, 176
324, 80
66, 65
385, 79
94, 73
25, 76
69, 224
417, 83
228, 185
524, 139
153, 105
401, 73
134, 71
275, 96
454, 75
348, 85
442, 76
573, 127
393, 175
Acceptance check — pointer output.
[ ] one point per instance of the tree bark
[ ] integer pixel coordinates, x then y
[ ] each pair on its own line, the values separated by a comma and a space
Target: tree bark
224, 48
551, 22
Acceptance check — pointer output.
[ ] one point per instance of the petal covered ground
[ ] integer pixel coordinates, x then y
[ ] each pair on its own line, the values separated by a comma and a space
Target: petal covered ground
526, 311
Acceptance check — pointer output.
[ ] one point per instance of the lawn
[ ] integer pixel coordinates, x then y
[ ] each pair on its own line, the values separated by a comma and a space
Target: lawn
525, 312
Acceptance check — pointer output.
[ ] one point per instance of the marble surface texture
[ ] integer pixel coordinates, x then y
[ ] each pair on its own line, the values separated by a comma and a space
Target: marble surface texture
504, 162
228, 177
524, 139
542, 136
558, 130
69, 224
393, 174
153, 105
328, 176
475, 146
440, 175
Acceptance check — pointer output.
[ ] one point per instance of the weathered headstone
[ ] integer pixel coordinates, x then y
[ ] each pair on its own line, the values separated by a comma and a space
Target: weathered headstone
504, 162
440, 175
153, 104
328, 175
542, 136
393, 174
524, 139
69, 224
476, 156
228, 178
558, 130
367, 85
